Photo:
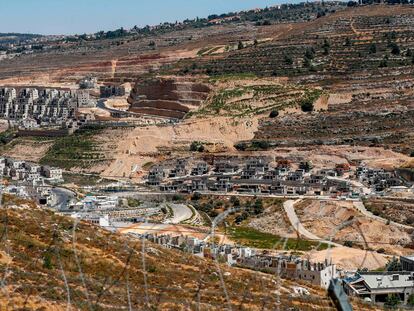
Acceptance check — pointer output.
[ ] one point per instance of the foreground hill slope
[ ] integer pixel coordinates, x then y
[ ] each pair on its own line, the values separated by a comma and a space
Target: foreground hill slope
49, 262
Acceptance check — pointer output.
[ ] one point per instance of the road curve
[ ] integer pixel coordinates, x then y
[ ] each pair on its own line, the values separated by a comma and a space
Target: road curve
181, 212
289, 207
359, 205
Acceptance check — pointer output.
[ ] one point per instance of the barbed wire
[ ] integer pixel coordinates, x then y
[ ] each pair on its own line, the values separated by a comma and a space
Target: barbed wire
145, 298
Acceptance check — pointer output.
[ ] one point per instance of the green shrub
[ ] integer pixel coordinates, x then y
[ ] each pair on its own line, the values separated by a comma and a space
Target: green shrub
274, 114
307, 106
348, 243
392, 301
197, 146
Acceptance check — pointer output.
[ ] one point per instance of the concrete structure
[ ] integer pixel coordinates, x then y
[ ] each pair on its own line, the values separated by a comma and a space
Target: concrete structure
45, 106
88, 83
407, 263
52, 173
293, 268
112, 90
84, 100
377, 286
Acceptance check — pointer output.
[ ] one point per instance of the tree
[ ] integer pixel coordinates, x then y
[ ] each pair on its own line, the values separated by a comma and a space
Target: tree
326, 47
307, 62
348, 243
395, 49
348, 42
239, 219
320, 14
307, 106
47, 261
240, 45
197, 146
310, 53
258, 207
235, 201
260, 145
383, 63
288, 59
392, 301
307, 166
274, 114
196, 196
372, 48
410, 301
394, 265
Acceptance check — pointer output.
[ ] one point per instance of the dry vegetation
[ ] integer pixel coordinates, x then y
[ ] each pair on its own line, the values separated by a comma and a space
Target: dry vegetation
44, 257
398, 210
343, 223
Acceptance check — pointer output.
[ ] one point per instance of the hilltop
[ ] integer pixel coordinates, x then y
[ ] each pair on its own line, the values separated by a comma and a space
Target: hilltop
354, 64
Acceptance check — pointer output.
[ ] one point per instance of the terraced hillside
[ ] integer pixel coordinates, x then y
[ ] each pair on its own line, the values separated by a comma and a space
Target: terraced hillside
168, 97
392, 129
50, 262
345, 42
129, 56
363, 57
242, 96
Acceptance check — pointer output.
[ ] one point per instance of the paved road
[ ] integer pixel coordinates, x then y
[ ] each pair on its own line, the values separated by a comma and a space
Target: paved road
101, 104
62, 197
362, 209
181, 213
289, 207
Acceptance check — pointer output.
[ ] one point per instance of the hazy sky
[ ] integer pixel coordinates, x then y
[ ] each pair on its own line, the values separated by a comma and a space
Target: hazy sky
87, 16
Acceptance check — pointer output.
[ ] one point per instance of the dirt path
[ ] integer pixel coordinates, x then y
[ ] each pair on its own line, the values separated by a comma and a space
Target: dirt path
362, 209
353, 27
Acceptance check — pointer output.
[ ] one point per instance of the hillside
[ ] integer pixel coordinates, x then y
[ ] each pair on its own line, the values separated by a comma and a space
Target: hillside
49, 262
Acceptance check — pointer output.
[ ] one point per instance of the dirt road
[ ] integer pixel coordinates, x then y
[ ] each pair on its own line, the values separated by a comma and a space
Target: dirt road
289, 207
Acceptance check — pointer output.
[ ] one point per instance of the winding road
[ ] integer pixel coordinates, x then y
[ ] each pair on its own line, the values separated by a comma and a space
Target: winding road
289, 207
363, 210
181, 212
62, 197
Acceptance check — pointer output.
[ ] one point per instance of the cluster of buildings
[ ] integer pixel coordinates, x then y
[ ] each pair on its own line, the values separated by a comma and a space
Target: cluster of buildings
378, 286
253, 175
289, 267
106, 211
112, 90
96, 203
29, 173
378, 180
34, 107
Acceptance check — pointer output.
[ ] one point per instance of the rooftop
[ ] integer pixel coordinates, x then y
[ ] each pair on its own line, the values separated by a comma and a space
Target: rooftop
389, 280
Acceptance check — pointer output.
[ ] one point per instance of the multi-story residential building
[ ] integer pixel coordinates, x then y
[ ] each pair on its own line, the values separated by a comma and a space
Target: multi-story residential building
52, 173
112, 90
49, 106
84, 100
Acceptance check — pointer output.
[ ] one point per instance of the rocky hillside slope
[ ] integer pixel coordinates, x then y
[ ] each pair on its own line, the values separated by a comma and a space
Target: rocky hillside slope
50, 262
167, 97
